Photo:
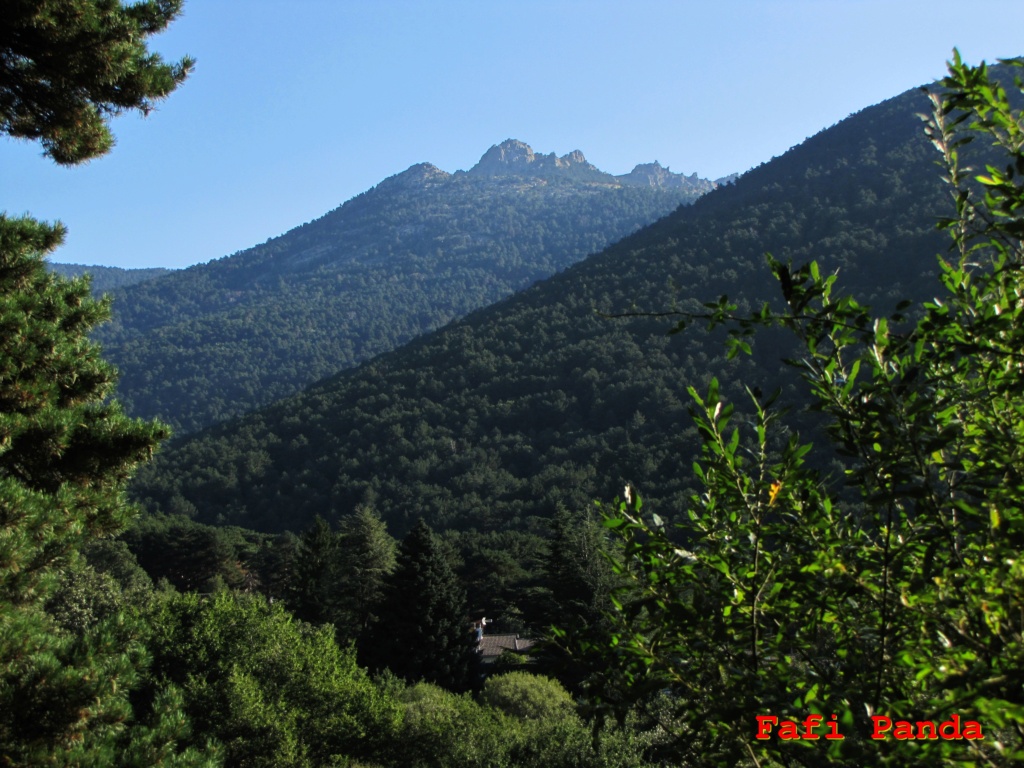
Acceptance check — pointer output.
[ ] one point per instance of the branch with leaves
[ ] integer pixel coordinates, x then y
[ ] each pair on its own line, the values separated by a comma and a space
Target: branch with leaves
775, 598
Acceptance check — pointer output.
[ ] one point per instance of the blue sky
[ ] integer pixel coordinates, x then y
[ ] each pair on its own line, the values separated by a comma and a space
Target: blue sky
297, 106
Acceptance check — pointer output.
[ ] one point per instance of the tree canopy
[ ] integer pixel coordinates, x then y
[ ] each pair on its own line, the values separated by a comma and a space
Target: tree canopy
68, 66
208, 343
423, 631
536, 401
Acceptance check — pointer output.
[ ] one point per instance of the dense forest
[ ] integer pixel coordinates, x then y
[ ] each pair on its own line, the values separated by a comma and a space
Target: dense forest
416, 251
541, 400
106, 279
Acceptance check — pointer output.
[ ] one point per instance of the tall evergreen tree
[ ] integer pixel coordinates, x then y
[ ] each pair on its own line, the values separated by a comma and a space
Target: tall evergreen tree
579, 574
277, 564
366, 557
580, 583
423, 633
316, 574
66, 452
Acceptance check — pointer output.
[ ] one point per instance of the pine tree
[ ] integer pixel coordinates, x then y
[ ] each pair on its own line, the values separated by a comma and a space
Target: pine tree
66, 451
580, 583
67, 66
316, 574
579, 573
366, 557
65, 456
423, 633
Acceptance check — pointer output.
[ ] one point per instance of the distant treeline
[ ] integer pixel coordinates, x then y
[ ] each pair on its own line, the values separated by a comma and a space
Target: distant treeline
106, 279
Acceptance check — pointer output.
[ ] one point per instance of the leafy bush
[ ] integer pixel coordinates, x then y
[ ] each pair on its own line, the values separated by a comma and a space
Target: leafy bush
274, 691
784, 596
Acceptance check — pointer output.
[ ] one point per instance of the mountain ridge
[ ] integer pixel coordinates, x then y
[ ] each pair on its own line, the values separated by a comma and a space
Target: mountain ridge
517, 158
414, 252
513, 158
108, 278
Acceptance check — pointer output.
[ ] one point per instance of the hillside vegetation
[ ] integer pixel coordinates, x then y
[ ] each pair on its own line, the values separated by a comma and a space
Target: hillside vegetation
539, 401
408, 256
106, 279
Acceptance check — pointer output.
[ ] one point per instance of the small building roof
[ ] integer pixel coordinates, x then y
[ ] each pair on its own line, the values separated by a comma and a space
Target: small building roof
492, 646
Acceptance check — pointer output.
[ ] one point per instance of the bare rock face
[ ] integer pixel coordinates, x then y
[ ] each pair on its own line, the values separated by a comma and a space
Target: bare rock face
516, 158
574, 158
509, 157
656, 175
419, 175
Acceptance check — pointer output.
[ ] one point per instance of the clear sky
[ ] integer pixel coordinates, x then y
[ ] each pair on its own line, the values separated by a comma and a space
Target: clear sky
296, 106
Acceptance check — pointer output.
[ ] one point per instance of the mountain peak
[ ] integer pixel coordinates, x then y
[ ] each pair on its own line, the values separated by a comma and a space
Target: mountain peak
517, 158
659, 176
509, 156
419, 175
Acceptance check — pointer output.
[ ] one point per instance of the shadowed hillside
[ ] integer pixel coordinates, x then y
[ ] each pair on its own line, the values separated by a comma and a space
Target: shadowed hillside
538, 401
416, 251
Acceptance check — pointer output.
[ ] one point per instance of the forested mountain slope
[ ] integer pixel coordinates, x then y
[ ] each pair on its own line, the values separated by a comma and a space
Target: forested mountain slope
539, 401
416, 251
106, 279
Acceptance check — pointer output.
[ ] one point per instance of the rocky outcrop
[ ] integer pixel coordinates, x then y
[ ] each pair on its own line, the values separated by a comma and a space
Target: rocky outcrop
516, 158
419, 175
656, 175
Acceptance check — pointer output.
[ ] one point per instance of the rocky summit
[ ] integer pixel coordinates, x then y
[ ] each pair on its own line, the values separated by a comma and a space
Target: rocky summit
517, 158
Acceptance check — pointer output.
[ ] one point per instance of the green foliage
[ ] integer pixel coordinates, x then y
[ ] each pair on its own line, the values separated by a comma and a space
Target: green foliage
67, 450
524, 721
366, 558
69, 66
528, 697
274, 691
504, 574
65, 456
192, 556
85, 598
577, 569
64, 694
112, 558
316, 574
441, 729
902, 594
576, 593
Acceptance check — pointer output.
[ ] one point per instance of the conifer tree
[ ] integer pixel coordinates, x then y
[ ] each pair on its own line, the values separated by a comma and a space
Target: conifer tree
423, 633
579, 574
67, 66
579, 582
316, 574
66, 451
366, 557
